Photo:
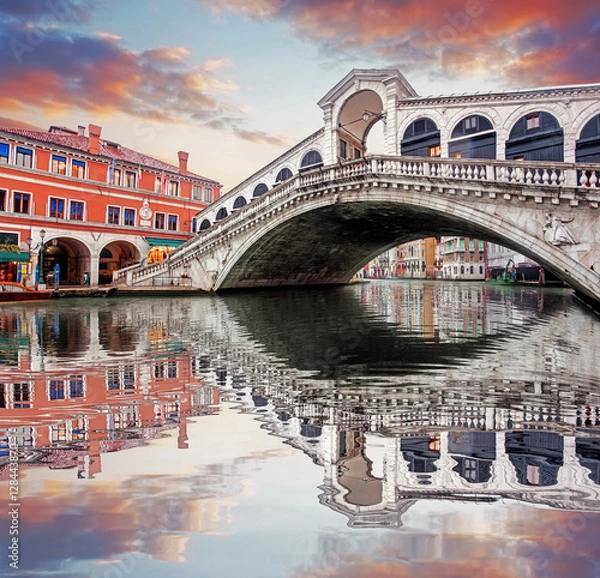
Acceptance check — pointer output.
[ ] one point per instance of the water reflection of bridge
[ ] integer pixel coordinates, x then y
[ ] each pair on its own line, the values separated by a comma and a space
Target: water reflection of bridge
479, 434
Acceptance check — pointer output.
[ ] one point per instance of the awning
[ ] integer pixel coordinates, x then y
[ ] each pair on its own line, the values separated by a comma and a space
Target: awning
10, 257
157, 242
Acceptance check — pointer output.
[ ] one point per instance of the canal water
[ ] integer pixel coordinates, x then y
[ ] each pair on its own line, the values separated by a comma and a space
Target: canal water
382, 429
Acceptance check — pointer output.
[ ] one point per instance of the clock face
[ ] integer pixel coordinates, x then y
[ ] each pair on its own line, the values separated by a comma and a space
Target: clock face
145, 212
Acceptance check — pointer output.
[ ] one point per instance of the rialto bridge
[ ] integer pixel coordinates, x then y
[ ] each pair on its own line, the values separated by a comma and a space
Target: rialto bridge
517, 168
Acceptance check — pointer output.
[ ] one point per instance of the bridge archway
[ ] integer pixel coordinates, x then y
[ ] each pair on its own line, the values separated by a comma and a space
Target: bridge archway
114, 256
356, 118
72, 256
328, 240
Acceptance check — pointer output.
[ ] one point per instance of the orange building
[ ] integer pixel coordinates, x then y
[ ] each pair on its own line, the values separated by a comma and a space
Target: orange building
87, 206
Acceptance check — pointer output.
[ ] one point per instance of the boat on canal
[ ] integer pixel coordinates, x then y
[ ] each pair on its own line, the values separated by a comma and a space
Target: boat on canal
12, 292
507, 277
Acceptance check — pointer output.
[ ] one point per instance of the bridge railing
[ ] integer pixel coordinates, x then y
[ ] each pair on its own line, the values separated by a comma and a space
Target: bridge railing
530, 173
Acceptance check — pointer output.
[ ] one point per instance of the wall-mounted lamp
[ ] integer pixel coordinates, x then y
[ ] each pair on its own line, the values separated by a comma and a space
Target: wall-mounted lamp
367, 117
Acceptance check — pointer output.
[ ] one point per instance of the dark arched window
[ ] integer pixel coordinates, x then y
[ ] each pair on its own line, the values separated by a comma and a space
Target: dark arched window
536, 136
239, 203
587, 148
105, 254
205, 225
283, 175
472, 139
311, 160
421, 139
260, 189
471, 125
221, 214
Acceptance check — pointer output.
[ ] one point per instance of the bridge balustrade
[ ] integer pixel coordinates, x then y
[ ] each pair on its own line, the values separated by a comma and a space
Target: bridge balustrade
529, 173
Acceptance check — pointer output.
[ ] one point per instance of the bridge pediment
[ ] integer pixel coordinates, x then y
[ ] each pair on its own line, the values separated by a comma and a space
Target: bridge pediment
362, 79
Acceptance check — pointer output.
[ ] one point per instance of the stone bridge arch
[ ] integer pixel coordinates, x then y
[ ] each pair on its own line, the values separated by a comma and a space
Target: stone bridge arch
328, 238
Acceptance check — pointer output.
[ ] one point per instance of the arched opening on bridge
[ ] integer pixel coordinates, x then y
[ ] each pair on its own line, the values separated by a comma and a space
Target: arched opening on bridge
71, 255
259, 190
421, 139
587, 148
239, 203
221, 214
114, 256
283, 175
311, 160
205, 225
357, 116
473, 137
536, 136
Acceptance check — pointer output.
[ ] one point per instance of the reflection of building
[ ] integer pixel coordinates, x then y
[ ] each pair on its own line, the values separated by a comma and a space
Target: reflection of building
67, 414
478, 433
90, 205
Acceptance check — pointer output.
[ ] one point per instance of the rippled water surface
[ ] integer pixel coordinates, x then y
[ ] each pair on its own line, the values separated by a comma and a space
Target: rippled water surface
384, 429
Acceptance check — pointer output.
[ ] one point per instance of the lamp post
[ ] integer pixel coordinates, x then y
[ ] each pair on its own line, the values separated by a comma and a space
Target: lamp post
42, 284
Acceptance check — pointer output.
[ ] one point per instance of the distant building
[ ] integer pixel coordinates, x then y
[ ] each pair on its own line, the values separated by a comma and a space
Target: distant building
462, 258
89, 205
416, 260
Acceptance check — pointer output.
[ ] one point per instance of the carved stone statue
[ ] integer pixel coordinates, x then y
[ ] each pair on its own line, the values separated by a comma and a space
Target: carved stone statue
556, 232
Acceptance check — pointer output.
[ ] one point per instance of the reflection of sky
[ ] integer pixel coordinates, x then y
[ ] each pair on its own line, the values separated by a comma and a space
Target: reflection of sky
248, 506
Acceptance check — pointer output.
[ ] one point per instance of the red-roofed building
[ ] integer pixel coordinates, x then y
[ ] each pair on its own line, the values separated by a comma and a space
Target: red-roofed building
89, 205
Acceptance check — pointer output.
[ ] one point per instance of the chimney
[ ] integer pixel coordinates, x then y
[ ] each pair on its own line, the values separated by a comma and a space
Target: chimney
80, 130
183, 159
95, 132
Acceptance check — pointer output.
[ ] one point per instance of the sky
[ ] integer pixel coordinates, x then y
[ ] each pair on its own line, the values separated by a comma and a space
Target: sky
236, 82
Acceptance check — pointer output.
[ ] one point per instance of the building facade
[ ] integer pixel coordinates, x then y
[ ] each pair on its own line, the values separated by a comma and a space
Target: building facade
80, 205
463, 258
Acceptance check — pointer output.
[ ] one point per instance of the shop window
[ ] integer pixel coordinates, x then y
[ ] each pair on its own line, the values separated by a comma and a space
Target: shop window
57, 208
59, 164
78, 169
24, 158
434, 151
21, 203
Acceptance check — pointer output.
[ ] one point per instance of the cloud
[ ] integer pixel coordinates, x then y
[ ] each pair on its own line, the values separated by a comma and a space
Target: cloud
48, 69
538, 42
53, 71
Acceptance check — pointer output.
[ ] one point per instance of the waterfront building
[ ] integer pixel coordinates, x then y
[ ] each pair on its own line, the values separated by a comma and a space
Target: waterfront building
416, 260
463, 258
70, 198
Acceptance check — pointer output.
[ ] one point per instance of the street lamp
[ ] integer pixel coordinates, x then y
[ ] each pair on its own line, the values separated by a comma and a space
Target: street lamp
41, 260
